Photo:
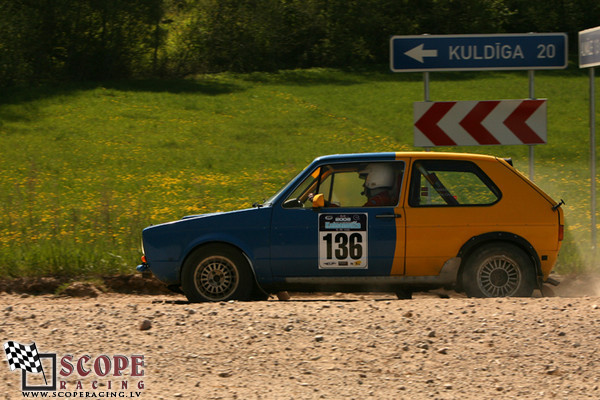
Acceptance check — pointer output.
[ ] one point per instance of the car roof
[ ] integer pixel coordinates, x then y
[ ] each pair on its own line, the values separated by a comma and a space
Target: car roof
405, 154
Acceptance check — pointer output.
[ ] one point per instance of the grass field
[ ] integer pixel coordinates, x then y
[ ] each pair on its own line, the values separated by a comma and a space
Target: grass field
84, 168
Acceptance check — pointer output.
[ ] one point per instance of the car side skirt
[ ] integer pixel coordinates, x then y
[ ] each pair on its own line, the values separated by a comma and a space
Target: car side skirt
446, 278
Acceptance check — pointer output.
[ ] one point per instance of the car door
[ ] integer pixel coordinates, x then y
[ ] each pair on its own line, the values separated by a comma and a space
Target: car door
449, 202
345, 237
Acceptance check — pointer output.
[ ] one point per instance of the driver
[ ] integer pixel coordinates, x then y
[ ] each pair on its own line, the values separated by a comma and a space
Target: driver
379, 180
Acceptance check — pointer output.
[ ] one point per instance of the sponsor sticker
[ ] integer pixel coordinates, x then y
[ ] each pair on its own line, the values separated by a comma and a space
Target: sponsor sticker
343, 241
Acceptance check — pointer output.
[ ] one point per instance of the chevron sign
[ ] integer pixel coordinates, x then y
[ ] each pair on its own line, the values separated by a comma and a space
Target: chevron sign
476, 123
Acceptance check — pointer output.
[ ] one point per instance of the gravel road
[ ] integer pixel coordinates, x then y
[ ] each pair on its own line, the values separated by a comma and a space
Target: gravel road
317, 346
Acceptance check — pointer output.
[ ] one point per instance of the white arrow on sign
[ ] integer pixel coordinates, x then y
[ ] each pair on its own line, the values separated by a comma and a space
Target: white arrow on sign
418, 53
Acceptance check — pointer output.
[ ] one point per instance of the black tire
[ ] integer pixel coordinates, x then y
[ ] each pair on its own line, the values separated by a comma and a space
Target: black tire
258, 294
403, 294
216, 273
498, 270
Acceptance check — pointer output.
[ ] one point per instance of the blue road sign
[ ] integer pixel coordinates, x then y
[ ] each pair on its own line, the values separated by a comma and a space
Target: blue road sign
526, 51
589, 48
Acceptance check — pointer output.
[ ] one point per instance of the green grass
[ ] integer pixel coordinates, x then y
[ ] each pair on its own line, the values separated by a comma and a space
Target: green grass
84, 168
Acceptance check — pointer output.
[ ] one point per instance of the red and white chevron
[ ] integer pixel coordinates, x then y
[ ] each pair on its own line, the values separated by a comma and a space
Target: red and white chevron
476, 123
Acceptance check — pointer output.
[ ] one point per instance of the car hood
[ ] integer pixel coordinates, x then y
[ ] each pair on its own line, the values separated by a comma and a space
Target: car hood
200, 215
215, 214
213, 222
241, 228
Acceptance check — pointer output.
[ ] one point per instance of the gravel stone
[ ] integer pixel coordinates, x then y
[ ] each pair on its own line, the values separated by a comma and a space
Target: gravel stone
366, 345
145, 325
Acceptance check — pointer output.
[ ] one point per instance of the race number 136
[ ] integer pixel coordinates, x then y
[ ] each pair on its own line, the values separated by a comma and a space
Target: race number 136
343, 241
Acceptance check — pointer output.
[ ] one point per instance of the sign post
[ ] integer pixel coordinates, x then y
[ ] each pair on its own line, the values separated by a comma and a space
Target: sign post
531, 97
519, 51
589, 57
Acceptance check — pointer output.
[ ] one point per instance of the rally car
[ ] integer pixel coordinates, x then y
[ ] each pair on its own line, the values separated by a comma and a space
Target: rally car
397, 222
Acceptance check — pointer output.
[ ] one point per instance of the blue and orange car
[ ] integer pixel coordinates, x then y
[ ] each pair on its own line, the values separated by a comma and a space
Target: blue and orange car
398, 222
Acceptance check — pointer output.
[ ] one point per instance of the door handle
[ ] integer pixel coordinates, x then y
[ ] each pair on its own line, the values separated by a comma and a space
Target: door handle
388, 216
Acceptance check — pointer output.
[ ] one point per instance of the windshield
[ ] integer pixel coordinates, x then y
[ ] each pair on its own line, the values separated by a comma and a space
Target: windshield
271, 199
373, 184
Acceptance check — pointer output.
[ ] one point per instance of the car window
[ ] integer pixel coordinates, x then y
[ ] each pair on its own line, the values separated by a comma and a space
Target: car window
450, 183
344, 188
353, 185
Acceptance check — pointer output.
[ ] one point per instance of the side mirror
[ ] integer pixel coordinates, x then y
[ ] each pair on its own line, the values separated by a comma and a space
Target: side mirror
318, 201
292, 203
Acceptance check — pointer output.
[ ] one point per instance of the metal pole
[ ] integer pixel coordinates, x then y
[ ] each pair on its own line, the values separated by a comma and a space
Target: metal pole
426, 85
531, 172
593, 158
426, 93
532, 84
531, 96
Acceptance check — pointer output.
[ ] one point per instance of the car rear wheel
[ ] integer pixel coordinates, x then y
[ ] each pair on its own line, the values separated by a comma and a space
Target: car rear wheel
499, 270
216, 273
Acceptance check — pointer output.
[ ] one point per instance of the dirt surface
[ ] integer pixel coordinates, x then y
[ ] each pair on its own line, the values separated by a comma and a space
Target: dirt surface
336, 346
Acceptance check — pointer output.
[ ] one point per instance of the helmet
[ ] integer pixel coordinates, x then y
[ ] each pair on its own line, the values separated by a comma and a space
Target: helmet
377, 176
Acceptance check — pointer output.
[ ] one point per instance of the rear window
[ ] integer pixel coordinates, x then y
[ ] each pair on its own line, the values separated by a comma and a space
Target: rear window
451, 183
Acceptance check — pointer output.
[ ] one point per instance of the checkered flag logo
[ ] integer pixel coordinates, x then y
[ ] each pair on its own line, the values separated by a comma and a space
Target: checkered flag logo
21, 356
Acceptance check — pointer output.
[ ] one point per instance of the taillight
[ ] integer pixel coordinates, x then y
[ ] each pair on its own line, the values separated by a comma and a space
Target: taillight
144, 258
561, 232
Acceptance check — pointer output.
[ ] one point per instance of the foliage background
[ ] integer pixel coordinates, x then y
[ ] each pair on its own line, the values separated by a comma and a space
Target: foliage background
100, 137
84, 167
45, 40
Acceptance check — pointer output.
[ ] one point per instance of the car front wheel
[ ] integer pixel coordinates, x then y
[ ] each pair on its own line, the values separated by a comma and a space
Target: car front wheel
499, 270
216, 273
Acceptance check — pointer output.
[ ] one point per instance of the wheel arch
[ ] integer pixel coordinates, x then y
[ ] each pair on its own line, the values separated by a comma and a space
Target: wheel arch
485, 239
232, 246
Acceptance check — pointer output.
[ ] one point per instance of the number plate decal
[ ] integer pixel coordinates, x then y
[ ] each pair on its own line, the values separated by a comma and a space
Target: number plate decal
343, 241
